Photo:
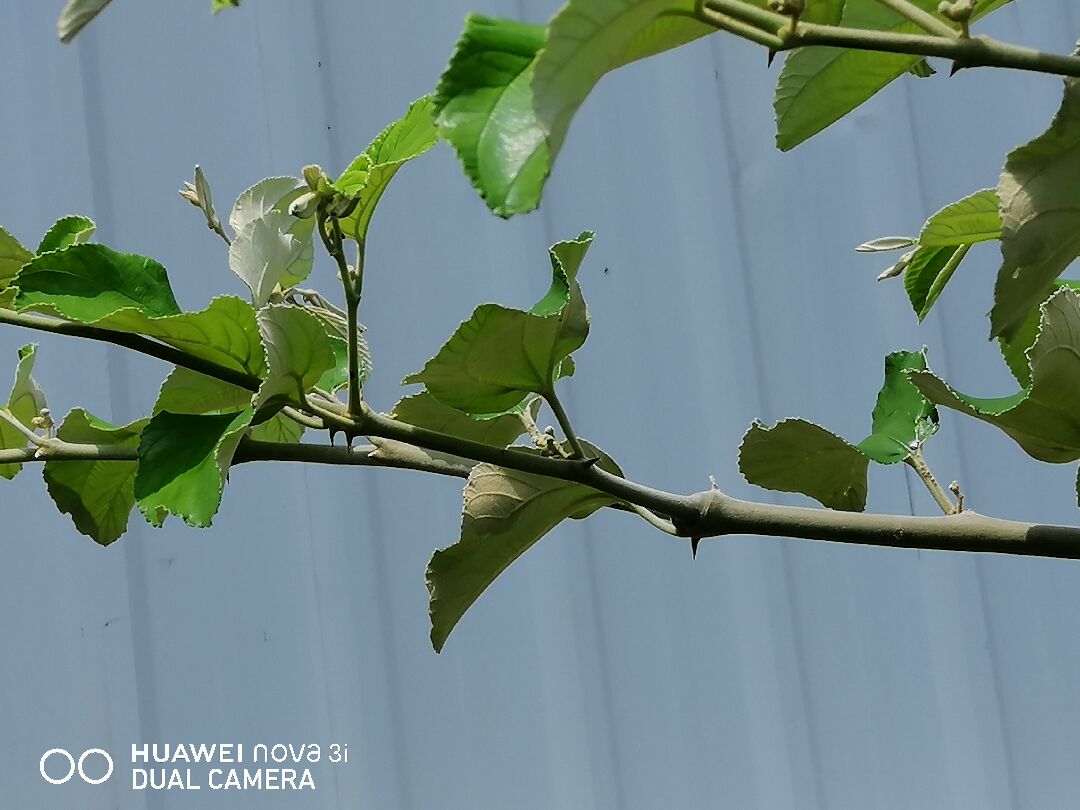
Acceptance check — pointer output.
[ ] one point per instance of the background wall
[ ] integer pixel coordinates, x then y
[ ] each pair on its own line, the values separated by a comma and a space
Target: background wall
606, 669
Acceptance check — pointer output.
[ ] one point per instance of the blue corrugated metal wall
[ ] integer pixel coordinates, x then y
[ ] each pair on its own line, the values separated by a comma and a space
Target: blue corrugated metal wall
606, 669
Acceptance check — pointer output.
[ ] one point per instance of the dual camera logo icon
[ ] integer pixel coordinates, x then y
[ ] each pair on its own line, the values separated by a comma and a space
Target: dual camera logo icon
74, 766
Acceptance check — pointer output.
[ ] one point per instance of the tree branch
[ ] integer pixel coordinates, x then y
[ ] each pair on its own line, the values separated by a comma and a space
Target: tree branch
564, 422
924, 19
965, 52
138, 343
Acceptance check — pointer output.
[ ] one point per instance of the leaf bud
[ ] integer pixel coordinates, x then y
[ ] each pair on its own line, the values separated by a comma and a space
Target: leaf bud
316, 178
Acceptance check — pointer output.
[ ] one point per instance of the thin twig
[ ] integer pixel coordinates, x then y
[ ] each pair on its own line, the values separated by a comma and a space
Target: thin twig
924, 19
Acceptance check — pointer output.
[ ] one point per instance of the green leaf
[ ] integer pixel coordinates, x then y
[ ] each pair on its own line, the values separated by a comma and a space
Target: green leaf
973, 219
1040, 213
94, 285
88, 283
506, 512
75, 15
922, 69
483, 108
588, 38
218, 5
799, 456
507, 97
298, 354
1015, 349
189, 392
423, 410
99, 495
819, 85
501, 355
368, 176
271, 252
184, 461
901, 414
279, 428
25, 403
1044, 418
67, 231
12, 257
927, 273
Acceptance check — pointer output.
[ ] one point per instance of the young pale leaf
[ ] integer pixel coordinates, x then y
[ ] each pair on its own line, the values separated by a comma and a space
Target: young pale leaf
1044, 418
184, 461
25, 402
799, 456
820, 85
500, 355
505, 513
298, 354
927, 273
1040, 213
75, 15
271, 194
368, 176
218, 5
99, 495
886, 243
12, 257
423, 410
1015, 349
272, 251
67, 231
975, 218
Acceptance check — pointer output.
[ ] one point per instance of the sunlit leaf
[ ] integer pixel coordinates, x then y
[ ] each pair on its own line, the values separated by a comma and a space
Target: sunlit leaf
99, 495
369, 175
183, 464
12, 257
67, 231
511, 89
25, 402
